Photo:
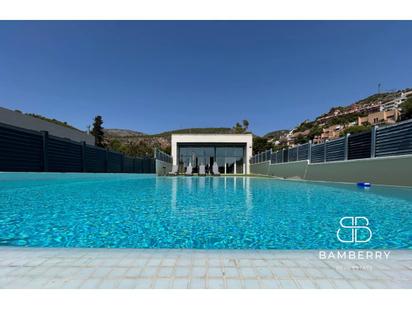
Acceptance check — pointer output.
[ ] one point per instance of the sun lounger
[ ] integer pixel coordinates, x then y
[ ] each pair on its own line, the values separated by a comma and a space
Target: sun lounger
215, 169
175, 171
202, 170
189, 170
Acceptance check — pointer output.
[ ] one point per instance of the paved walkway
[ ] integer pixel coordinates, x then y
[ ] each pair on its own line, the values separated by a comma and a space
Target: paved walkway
129, 268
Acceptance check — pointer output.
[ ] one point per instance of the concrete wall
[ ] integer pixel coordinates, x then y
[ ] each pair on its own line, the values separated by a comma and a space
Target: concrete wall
289, 170
28, 122
260, 168
385, 170
163, 168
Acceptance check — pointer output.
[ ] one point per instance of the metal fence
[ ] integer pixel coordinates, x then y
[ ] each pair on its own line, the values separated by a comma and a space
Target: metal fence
23, 150
163, 156
390, 140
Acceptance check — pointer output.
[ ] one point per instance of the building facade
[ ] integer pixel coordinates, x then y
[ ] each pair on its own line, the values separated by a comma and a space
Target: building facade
231, 152
332, 132
20, 120
396, 102
387, 117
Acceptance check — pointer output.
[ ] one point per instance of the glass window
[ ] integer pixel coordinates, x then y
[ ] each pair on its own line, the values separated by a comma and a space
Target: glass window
224, 156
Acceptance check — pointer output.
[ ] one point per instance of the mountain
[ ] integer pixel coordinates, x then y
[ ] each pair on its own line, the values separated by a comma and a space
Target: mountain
122, 133
161, 140
125, 133
275, 134
196, 131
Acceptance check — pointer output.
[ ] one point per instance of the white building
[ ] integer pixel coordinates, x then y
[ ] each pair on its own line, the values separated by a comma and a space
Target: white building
394, 103
231, 152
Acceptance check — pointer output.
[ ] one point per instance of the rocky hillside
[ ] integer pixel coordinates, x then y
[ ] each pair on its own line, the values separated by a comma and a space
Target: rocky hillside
275, 134
121, 133
161, 140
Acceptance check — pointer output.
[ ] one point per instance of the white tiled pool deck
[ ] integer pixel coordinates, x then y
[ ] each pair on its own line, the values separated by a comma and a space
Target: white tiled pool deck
140, 268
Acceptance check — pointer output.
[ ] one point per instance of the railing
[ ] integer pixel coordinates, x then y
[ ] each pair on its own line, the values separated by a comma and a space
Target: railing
23, 150
163, 156
389, 140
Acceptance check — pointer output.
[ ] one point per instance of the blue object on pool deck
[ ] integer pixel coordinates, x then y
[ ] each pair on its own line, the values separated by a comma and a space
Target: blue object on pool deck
364, 184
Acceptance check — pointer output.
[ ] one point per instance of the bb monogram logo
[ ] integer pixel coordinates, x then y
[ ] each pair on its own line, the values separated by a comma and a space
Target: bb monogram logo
355, 226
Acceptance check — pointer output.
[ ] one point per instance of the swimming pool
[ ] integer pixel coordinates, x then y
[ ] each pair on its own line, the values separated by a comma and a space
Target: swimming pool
145, 211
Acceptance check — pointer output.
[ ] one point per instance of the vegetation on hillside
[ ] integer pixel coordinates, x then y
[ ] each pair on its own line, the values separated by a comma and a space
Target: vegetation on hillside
52, 120
275, 134
133, 149
355, 129
406, 109
194, 131
343, 119
260, 144
306, 125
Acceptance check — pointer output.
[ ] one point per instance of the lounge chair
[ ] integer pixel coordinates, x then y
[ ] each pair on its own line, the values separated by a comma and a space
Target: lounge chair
189, 170
215, 169
202, 170
175, 171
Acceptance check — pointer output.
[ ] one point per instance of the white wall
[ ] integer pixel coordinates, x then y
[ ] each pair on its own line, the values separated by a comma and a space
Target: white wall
214, 138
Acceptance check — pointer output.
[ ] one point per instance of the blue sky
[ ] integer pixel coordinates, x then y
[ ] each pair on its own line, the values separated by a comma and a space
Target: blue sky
155, 76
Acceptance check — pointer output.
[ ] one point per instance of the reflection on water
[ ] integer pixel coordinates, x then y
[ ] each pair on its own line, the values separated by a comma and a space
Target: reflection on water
232, 212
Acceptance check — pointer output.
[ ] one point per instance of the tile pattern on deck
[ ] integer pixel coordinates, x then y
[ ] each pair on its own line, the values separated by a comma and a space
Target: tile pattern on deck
129, 268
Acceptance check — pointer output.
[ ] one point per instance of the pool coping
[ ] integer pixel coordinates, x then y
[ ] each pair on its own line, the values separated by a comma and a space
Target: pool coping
196, 268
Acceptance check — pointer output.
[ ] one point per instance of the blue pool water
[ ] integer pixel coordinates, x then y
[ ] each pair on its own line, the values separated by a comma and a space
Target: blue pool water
145, 211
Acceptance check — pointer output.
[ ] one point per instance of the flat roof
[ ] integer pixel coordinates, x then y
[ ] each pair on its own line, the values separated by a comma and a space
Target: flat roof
230, 134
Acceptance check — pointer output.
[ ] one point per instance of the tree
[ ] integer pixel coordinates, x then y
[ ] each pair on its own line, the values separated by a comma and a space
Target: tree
300, 139
97, 131
241, 128
406, 109
355, 129
260, 144
315, 131
245, 124
116, 145
238, 128
167, 149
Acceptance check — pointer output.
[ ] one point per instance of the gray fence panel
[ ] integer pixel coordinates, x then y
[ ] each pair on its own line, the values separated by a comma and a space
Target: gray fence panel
335, 150
138, 165
114, 164
23, 150
273, 158
293, 154
394, 140
95, 159
359, 145
285, 155
162, 156
279, 156
127, 165
63, 155
303, 153
268, 155
148, 166
318, 153
20, 150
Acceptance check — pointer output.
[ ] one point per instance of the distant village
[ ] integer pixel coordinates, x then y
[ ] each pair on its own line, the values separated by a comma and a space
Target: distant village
379, 109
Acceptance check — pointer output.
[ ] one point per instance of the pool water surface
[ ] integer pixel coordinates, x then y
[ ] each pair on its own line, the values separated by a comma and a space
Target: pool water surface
145, 211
